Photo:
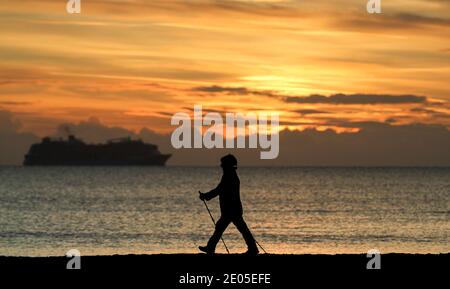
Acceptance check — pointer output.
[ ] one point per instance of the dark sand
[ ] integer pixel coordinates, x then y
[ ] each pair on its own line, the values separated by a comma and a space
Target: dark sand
284, 270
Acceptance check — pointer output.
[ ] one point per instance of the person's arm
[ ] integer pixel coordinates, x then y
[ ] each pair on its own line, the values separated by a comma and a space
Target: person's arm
213, 193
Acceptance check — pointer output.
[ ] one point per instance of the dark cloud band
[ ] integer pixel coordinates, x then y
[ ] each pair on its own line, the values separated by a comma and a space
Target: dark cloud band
339, 98
357, 99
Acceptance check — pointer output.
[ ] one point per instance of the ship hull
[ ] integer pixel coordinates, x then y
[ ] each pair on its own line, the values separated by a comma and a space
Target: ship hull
75, 152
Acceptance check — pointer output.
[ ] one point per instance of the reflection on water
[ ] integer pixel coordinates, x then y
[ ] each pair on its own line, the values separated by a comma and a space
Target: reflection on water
121, 210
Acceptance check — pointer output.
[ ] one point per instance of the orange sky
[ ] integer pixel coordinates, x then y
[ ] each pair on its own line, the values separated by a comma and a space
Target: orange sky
135, 63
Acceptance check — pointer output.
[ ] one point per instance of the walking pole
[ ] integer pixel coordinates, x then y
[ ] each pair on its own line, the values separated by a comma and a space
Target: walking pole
261, 247
214, 222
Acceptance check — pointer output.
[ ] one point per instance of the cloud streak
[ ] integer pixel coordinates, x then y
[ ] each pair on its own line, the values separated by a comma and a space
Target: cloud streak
357, 99
340, 98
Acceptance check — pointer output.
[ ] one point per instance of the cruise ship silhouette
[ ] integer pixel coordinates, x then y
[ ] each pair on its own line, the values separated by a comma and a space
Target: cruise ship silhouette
74, 152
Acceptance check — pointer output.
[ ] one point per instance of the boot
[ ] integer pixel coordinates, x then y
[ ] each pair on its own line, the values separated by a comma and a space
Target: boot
206, 250
252, 251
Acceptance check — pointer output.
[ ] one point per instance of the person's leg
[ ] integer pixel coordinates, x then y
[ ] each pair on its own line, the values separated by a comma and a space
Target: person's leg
221, 225
240, 224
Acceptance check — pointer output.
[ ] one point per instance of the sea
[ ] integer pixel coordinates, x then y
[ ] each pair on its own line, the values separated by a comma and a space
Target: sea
47, 211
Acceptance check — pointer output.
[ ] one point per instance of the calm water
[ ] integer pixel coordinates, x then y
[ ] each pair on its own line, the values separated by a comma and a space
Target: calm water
109, 210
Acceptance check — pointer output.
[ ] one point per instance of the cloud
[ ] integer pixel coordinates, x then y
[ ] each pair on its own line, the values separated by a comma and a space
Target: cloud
207, 110
15, 103
393, 21
340, 98
376, 144
7, 122
94, 131
234, 90
421, 19
257, 8
421, 109
309, 111
430, 112
357, 99
13, 143
217, 88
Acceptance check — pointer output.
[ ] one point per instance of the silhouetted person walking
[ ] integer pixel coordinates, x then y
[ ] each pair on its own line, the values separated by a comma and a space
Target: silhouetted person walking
230, 207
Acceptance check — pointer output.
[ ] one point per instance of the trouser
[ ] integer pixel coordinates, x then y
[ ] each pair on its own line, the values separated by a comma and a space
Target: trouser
240, 224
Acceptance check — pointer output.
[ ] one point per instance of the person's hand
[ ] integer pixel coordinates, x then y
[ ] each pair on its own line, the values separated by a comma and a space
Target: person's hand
201, 196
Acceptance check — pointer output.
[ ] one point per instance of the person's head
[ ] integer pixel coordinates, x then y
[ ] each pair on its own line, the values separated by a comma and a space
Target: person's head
228, 162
